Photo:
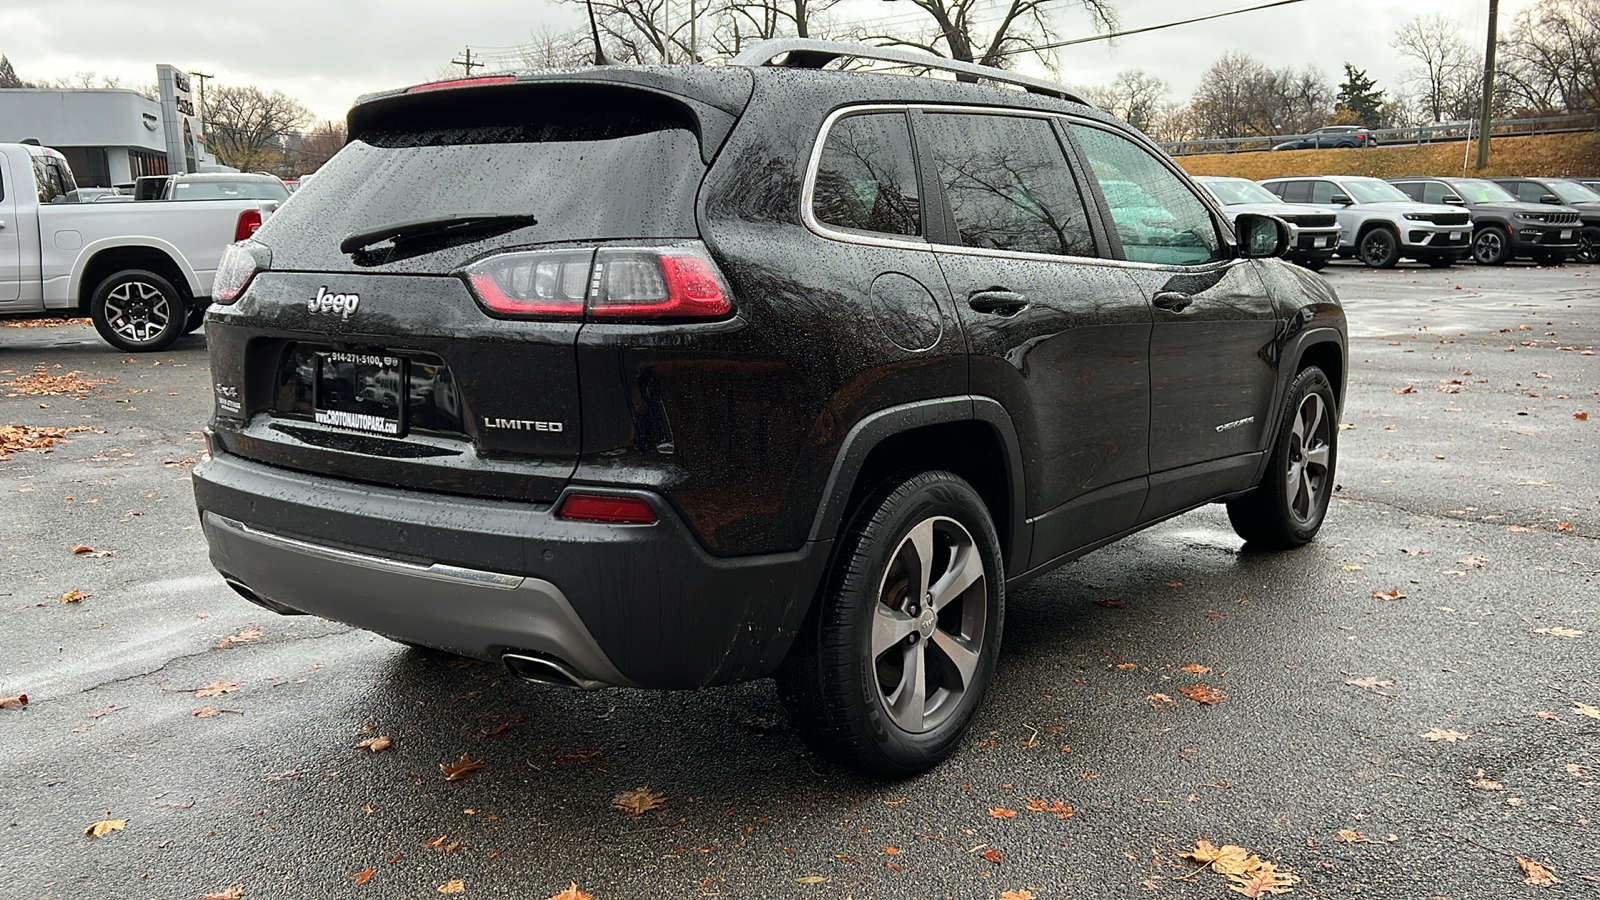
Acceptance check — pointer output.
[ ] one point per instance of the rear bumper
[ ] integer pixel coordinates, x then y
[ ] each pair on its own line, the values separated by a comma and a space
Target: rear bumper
640, 606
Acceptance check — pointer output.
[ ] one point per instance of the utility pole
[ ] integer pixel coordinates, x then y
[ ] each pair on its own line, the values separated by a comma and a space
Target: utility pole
1486, 112
467, 65
201, 96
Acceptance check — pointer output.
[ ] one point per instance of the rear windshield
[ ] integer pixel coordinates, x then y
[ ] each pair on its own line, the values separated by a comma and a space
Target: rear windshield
588, 163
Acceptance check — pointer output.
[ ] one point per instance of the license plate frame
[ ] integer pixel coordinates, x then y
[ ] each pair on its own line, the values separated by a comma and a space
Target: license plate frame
361, 392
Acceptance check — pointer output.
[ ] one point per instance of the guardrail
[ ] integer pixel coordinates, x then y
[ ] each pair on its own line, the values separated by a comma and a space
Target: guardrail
1387, 137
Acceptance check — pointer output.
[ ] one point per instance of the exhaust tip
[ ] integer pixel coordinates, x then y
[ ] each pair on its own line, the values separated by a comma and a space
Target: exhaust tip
547, 670
242, 590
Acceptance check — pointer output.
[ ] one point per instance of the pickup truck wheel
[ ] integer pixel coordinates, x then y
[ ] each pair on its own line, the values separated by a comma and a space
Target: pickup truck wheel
138, 311
1379, 248
1287, 508
1491, 246
897, 654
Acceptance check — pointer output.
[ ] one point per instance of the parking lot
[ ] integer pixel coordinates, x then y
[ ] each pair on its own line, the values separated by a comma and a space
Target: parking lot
1403, 708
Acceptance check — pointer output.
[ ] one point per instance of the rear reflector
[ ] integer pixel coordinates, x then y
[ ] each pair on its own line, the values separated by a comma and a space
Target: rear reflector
461, 82
612, 510
249, 223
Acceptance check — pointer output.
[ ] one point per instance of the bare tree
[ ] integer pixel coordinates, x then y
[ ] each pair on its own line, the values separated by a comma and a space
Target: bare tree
1240, 96
1550, 62
654, 31
1136, 97
552, 49
8, 75
309, 151
247, 125
1022, 27
1444, 76
744, 22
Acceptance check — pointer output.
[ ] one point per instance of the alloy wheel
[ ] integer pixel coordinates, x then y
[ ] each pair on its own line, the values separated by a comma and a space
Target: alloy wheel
928, 624
1310, 448
1488, 246
137, 311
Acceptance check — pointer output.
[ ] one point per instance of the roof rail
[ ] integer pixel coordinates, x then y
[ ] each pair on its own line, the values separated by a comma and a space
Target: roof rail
806, 53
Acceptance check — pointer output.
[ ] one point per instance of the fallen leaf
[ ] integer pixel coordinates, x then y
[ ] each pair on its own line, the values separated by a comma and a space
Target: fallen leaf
217, 689
1483, 783
73, 596
811, 879
638, 801
375, 744
1000, 812
1262, 880
1108, 604
1372, 683
1548, 716
1016, 895
1576, 770
16, 702
249, 634
1440, 734
1581, 416
572, 893
205, 712
1563, 526
892, 851
1559, 632
1390, 594
1476, 562
1127, 666
1534, 873
1060, 809
1408, 389
453, 886
363, 876
993, 855
105, 827
1346, 836
1584, 709
227, 893
1199, 693
1196, 669
83, 548
461, 768
1160, 701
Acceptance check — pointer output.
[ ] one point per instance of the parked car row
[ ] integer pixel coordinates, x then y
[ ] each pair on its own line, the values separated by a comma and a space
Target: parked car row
1437, 221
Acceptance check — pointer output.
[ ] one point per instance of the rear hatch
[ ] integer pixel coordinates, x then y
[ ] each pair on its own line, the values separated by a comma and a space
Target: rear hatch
361, 351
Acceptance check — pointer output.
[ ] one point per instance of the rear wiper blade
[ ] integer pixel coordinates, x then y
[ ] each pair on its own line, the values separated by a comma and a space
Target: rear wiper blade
436, 226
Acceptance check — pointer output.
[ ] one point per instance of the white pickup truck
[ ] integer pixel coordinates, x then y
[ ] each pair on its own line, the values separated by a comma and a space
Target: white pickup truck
141, 271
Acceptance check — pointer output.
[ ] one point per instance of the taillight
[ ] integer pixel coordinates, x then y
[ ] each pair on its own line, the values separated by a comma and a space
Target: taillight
638, 283
240, 262
608, 509
249, 222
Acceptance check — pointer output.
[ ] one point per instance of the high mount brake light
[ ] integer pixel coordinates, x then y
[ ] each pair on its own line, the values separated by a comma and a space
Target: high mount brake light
239, 264
608, 509
461, 82
632, 283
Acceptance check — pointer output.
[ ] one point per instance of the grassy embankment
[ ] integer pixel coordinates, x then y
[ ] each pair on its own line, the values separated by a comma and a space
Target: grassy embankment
1547, 154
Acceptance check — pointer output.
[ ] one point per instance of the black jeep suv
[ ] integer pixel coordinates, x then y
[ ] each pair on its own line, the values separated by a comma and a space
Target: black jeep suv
679, 376
1503, 227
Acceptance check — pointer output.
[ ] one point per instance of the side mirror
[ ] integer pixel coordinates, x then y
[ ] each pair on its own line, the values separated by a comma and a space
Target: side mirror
1453, 200
1341, 200
1551, 199
1261, 236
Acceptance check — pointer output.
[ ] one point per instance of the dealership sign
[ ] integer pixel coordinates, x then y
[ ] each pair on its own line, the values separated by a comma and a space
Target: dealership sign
180, 115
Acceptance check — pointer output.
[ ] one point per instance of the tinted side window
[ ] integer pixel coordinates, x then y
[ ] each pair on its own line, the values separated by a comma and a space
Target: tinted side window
1294, 191
1006, 181
1529, 192
1323, 191
867, 177
1157, 215
1412, 189
1434, 192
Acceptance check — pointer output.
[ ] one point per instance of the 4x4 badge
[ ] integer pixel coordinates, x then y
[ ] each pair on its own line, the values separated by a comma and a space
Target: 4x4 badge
343, 305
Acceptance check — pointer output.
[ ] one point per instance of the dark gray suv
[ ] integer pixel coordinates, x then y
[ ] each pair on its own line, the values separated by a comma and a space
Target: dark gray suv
676, 376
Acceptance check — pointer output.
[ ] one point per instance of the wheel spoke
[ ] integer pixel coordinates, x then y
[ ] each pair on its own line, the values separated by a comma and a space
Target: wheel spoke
909, 702
1317, 457
1292, 481
889, 627
1312, 411
959, 652
920, 541
966, 569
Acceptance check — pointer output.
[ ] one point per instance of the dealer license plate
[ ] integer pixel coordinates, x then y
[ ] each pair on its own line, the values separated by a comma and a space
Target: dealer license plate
361, 392
1455, 235
1566, 235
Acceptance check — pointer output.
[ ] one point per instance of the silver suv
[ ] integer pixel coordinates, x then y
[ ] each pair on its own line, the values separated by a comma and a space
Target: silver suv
1381, 224
1313, 234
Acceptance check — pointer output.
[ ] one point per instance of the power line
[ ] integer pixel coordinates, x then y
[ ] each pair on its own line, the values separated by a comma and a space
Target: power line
1116, 34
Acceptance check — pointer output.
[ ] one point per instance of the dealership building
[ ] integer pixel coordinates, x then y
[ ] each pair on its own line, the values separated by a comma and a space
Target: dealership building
112, 136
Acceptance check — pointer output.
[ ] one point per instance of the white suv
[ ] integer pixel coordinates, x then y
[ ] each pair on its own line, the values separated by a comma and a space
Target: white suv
1381, 224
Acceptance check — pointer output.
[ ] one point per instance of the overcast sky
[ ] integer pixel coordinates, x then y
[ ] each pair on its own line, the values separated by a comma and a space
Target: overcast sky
325, 53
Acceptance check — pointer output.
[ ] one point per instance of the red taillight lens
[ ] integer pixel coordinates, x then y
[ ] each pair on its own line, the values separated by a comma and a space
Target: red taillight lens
239, 264
461, 82
611, 510
676, 282
544, 283
249, 222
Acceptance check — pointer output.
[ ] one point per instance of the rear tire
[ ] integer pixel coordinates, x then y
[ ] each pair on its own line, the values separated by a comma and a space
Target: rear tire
138, 311
1491, 246
896, 655
1287, 508
1588, 246
1379, 248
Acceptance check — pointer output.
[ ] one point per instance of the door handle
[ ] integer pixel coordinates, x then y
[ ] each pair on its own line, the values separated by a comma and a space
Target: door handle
998, 301
1172, 301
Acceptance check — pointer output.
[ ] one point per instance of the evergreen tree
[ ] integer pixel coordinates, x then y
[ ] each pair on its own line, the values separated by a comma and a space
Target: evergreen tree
8, 75
1357, 95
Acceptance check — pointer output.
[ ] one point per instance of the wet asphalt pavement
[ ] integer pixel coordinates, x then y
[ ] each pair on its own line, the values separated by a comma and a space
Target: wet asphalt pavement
1457, 579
